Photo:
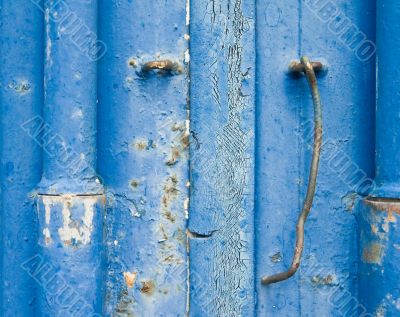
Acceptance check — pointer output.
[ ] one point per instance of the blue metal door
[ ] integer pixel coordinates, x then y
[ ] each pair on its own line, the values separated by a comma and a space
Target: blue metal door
155, 158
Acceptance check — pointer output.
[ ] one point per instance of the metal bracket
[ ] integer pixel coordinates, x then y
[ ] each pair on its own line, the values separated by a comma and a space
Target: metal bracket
166, 66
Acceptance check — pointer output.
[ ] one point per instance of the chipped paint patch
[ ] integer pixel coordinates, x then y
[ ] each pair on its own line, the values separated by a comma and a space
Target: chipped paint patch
147, 288
145, 145
75, 229
130, 279
77, 114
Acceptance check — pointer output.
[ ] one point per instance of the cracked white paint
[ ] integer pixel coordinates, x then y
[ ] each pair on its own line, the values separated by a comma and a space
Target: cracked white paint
77, 231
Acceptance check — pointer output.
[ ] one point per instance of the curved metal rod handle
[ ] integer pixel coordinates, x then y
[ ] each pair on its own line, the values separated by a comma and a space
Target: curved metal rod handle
309, 69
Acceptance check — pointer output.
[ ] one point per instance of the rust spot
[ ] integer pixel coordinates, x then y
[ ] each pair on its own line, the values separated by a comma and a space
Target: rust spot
147, 288
130, 279
133, 63
134, 183
141, 145
373, 253
125, 305
170, 190
169, 216
391, 206
165, 66
185, 140
175, 155
145, 145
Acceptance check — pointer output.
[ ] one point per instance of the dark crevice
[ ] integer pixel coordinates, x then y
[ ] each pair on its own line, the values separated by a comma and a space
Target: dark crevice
196, 235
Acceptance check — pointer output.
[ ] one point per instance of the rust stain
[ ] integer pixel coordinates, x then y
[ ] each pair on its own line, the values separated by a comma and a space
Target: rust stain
175, 155
145, 145
147, 288
125, 305
134, 183
185, 140
391, 206
170, 190
141, 145
373, 253
169, 216
166, 66
133, 63
130, 278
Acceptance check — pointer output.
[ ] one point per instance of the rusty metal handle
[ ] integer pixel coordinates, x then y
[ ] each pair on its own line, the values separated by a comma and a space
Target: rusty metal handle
309, 69
162, 65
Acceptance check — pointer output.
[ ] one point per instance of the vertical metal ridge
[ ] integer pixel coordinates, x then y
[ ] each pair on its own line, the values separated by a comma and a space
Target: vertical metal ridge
69, 267
21, 97
379, 214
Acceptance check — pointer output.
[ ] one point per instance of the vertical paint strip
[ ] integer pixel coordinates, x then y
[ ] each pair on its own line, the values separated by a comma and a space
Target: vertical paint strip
70, 205
21, 90
222, 152
143, 155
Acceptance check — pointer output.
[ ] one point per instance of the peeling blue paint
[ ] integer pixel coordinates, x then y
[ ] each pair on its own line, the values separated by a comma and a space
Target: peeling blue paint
143, 156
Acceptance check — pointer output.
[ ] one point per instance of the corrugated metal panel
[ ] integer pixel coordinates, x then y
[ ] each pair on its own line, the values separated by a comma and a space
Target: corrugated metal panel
135, 185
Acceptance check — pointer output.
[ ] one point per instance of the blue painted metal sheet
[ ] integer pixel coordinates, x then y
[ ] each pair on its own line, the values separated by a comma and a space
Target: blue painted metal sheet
139, 178
327, 282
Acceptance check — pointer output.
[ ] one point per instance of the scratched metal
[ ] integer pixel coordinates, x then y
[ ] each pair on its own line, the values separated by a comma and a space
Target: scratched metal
143, 155
222, 161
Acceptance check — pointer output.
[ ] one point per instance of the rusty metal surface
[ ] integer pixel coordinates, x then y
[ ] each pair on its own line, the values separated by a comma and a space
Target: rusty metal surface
379, 255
